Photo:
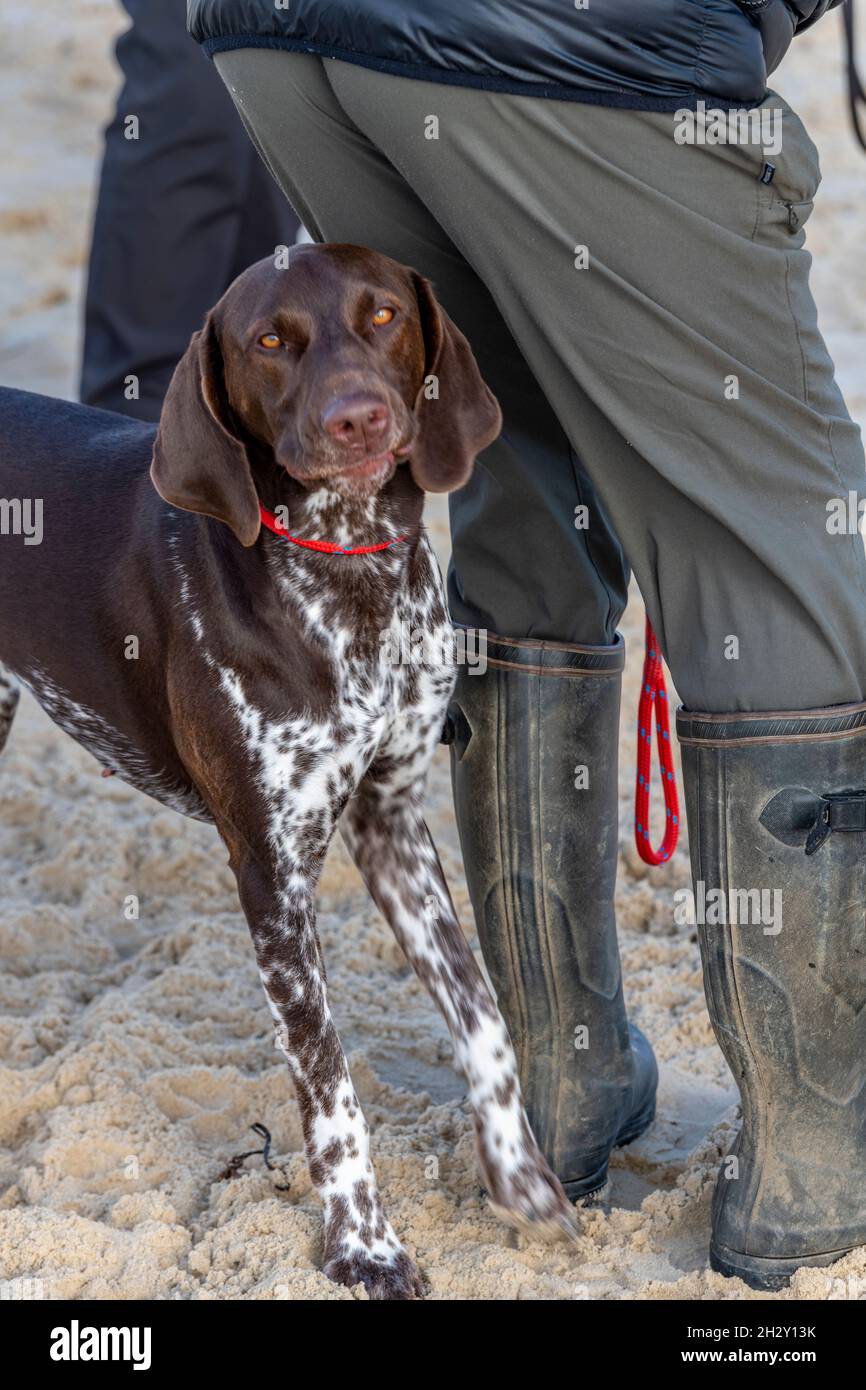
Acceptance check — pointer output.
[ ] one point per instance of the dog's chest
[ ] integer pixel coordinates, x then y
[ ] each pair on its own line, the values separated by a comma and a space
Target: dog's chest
388, 689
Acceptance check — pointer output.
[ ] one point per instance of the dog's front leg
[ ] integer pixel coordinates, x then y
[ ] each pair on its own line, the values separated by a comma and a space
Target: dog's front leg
387, 837
360, 1246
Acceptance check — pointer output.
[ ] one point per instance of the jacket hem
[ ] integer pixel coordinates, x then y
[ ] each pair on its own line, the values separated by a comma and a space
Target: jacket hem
686, 100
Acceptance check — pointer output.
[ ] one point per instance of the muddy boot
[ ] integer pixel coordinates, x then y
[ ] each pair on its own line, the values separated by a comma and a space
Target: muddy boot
534, 768
777, 827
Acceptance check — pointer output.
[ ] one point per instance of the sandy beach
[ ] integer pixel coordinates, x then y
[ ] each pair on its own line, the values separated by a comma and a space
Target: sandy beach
136, 1052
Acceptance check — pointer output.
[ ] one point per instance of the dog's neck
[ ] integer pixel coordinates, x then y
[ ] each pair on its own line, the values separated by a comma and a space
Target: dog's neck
323, 514
354, 592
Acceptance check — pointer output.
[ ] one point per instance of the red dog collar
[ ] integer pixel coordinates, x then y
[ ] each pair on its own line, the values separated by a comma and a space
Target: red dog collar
327, 547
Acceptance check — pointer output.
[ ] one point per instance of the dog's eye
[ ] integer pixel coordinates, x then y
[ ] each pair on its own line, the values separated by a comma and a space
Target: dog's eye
382, 316
270, 340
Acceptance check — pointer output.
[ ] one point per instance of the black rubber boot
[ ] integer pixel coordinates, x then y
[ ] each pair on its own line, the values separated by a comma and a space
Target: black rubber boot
540, 852
777, 810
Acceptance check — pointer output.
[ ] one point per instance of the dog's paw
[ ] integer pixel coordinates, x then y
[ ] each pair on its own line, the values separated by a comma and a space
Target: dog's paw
394, 1277
526, 1194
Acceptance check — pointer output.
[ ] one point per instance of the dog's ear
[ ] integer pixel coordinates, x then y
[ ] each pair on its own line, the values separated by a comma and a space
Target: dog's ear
199, 463
456, 413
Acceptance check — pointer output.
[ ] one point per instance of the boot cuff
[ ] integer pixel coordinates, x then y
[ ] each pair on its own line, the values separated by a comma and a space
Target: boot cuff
836, 721
539, 657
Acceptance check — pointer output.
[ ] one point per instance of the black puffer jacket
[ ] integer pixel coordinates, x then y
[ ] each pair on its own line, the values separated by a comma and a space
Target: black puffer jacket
660, 54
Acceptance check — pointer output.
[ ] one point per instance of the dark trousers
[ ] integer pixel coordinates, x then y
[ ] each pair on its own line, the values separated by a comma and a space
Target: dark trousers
181, 211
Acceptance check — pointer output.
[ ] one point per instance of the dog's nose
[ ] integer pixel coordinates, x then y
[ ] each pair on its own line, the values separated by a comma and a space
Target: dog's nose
358, 422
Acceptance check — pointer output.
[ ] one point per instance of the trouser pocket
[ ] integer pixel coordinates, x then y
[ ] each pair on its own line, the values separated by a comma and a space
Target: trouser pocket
788, 174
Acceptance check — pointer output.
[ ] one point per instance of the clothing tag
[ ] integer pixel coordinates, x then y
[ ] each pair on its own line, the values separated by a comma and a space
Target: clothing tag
768, 173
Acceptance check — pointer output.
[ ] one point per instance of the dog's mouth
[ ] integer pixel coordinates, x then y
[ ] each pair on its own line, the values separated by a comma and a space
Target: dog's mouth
368, 466
365, 476
361, 475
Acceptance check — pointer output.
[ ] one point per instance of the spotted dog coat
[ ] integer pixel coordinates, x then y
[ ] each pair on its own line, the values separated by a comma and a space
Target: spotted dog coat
244, 680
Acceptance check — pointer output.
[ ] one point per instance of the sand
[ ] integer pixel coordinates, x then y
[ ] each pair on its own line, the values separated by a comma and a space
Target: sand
136, 1051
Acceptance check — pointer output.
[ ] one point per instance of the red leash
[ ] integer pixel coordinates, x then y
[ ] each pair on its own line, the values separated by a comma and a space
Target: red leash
654, 698
327, 547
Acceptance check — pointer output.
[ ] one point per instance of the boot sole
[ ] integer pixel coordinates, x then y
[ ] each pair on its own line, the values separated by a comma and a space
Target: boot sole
767, 1274
578, 1188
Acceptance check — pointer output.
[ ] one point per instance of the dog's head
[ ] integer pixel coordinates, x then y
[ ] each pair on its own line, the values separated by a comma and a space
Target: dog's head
341, 367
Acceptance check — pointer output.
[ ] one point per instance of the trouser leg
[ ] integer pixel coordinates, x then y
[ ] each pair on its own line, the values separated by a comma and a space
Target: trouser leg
183, 207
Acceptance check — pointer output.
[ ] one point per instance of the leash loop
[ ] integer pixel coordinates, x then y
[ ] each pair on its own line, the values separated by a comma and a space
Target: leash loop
654, 702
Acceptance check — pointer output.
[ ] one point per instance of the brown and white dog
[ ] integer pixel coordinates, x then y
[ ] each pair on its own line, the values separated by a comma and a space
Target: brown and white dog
332, 392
